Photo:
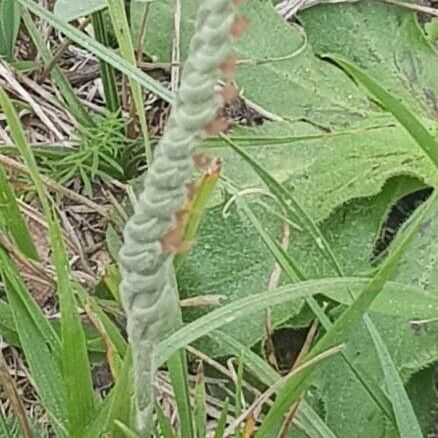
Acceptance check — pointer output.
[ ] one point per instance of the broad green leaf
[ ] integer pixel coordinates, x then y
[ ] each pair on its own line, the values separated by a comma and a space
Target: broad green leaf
424, 395
352, 231
386, 41
412, 346
419, 264
69, 10
355, 145
345, 323
230, 259
327, 170
403, 115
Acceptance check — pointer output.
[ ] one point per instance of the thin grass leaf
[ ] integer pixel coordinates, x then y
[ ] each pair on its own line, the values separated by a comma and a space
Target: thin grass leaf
291, 269
14, 221
39, 342
99, 50
107, 72
311, 421
72, 102
200, 405
122, 30
247, 306
9, 28
177, 365
343, 325
115, 343
196, 207
163, 423
238, 398
127, 432
294, 210
405, 416
77, 383
14, 397
122, 401
405, 117
4, 427
221, 422
20, 141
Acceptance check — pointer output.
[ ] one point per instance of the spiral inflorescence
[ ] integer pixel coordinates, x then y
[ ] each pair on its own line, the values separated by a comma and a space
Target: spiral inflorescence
154, 233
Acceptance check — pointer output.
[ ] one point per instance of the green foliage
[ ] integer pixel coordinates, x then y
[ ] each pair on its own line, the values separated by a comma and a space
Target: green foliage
9, 428
11, 216
69, 10
9, 27
103, 153
339, 149
73, 103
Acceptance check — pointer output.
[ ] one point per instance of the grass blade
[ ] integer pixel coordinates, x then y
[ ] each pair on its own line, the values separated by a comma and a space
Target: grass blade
10, 212
13, 395
40, 343
415, 128
9, 28
107, 73
221, 422
200, 405
121, 27
247, 306
405, 416
122, 407
292, 391
75, 106
99, 50
77, 383
164, 423
177, 365
314, 425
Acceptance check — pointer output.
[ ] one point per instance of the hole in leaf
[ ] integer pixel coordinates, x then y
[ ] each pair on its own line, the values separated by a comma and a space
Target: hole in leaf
400, 212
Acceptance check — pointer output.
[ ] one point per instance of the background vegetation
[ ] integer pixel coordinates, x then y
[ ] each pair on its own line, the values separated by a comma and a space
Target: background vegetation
309, 295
